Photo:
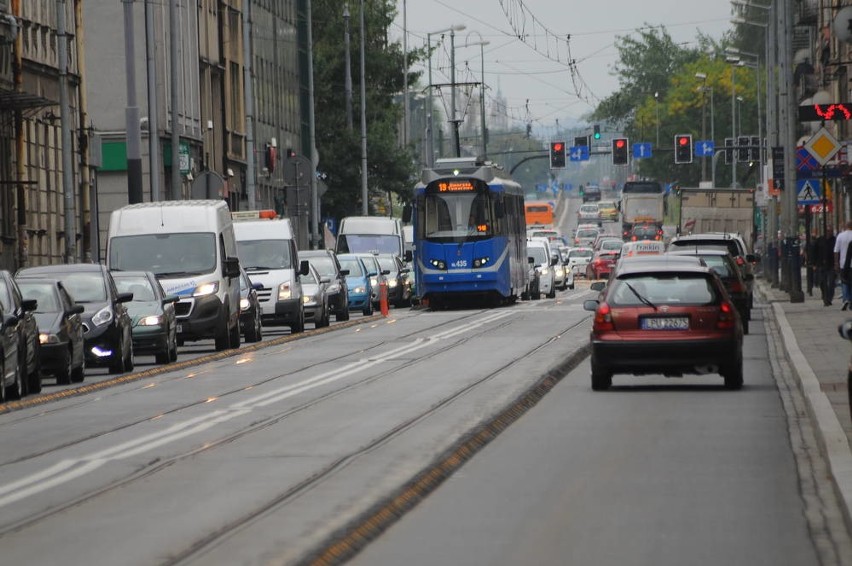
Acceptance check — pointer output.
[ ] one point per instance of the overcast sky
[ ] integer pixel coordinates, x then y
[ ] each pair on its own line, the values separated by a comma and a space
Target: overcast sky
535, 75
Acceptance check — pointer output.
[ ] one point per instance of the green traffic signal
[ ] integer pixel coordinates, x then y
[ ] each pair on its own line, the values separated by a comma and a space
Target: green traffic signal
597, 133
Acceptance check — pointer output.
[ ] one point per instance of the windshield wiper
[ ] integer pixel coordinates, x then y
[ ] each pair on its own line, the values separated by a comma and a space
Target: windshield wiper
640, 297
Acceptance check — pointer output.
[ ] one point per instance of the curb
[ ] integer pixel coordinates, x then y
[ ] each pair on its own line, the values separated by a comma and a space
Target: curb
830, 434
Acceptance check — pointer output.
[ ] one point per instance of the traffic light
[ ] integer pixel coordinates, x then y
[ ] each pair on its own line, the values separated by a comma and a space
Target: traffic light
729, 151
683, 148
742, 149
754, 151
557, 155
619, 151
581, 141
597, 134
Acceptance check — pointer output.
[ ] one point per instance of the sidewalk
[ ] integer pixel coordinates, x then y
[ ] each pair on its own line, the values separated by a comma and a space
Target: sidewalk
819, 358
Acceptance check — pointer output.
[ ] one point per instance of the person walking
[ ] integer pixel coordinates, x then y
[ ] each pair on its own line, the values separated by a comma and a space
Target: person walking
824, 260
842, 260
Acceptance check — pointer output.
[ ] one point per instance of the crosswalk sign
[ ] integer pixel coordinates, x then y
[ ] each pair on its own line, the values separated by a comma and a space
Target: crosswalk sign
808, 191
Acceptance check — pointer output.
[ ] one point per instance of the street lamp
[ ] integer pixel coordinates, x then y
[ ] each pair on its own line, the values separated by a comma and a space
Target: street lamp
481, 45
734, 62
430, 134
657, 113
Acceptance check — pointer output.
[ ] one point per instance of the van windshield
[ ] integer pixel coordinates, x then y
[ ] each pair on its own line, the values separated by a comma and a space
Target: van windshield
264, 254
368, 244
166, 255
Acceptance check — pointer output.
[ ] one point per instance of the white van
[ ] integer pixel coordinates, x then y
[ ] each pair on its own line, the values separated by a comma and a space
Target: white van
189, 245
266, 246
372, 235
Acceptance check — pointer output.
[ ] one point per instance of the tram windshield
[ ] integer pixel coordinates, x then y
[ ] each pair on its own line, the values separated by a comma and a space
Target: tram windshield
459, 216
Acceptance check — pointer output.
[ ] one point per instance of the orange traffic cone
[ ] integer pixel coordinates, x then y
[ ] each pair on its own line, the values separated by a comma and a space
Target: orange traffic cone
383, 298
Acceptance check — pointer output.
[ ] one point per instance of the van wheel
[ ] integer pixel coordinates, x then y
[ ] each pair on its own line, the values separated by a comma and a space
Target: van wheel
223, 334
298, 326
234, 337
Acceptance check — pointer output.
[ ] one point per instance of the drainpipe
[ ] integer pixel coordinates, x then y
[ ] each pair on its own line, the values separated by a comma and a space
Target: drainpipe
20, 169
86, 190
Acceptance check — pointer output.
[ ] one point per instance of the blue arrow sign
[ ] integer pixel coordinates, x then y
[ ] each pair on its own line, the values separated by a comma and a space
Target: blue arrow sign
808, 191
642, 150
705, 148
578, 153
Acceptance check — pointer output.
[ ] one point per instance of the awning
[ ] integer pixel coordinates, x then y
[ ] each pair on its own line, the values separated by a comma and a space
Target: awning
11, 100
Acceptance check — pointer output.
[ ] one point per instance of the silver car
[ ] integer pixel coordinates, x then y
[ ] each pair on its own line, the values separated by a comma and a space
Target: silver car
315, 297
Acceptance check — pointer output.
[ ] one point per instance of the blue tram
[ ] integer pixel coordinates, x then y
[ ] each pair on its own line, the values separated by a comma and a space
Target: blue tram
469, 234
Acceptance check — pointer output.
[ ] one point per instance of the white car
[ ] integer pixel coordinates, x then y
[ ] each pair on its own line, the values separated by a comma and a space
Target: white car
539, 250
589, 211
579, 258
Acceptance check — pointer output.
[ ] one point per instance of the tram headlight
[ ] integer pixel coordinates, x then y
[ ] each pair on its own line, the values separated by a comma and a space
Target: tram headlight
481, 261
438, 264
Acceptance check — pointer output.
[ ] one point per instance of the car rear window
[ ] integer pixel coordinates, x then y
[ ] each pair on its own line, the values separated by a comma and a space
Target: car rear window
663, 289
730, 245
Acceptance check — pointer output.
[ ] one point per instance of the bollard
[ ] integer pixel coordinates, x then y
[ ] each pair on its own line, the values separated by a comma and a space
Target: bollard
383, 298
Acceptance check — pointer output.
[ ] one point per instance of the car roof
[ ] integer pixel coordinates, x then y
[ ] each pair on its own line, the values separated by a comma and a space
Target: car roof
62, 268
661, 260
687, 251
636, 268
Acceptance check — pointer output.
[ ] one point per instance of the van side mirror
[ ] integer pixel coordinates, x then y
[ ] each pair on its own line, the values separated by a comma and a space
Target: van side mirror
29, 305
76, 308
124, 297
406, 213
231, 267
304, 267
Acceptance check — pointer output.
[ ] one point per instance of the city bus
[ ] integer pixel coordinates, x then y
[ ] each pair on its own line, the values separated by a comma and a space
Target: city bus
538, 213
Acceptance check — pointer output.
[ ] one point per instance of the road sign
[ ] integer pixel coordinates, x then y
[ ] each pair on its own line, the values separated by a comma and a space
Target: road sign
579, 153
705, 148
808, 191
805, 162
822, 146
642, 150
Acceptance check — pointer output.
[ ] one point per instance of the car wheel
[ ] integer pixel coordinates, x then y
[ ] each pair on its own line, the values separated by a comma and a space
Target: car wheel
733, 375
342, 315
552, 294
129, 362
13, 392
253, 331
34, 379
117, 363
601, 379
23, 375
78, 374
164, 355
234, 335
571, 286
326, 317
63, 376
745, 324
173, 349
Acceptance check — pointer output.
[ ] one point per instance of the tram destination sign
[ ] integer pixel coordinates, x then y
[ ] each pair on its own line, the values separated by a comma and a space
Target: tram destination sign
837, 111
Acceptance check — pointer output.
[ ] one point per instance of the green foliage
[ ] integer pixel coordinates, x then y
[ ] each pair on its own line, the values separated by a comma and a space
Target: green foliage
390, 166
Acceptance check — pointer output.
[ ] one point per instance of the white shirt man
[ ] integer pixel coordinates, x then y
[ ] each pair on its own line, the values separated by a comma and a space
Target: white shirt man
841, 247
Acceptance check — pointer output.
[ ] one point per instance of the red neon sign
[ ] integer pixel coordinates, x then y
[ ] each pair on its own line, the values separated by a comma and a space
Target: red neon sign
823, 112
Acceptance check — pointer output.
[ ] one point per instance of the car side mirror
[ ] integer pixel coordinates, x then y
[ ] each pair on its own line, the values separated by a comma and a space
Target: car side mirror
304, 267
170, 299
231, 267
597, 286
590, 305
385, 271
554, 260
344, 272
124, 297
531, 260
29, 305
76, 309
325, 280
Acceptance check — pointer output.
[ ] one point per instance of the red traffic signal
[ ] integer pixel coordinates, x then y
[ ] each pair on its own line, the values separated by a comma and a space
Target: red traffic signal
619, 151
683, 148
557, 155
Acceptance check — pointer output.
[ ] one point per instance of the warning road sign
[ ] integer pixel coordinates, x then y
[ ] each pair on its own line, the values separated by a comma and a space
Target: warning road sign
808, 191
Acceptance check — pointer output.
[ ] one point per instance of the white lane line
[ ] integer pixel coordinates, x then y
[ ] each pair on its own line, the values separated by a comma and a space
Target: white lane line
69, 469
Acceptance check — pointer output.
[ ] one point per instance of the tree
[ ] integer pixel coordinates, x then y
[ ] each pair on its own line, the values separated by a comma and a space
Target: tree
390, 166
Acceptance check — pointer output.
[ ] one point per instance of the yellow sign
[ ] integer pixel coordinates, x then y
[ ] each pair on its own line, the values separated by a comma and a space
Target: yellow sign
822, 146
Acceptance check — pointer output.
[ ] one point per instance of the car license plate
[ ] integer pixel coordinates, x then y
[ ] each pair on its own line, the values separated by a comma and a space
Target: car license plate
179, 328
665, 323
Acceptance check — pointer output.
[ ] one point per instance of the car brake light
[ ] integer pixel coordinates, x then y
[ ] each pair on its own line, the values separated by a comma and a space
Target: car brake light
603, 319
727, 317
740, 260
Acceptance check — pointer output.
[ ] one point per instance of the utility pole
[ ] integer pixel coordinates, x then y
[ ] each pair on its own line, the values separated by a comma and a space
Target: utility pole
65, 126
131, 114
405, 105
365, 209
790, 107
248, 78
312, 128
348, 66
175, 50
453, 120
153, 107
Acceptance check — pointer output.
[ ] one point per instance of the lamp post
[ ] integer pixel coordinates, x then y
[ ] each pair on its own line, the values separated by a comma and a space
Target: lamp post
657, 114
430, 157
703, 89
481, 45
734, 61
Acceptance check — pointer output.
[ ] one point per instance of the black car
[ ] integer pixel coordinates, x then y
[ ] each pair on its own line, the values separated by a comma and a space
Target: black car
152, 312
328, 266
27, 328
106, 322
60, 328
250, 310
399, 287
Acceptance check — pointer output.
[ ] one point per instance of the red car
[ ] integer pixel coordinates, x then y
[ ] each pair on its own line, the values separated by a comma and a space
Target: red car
602, 264
669, 319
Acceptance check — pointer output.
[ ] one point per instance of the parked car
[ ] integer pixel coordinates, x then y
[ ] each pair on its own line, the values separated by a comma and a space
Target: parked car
329, 266
602, 264
107, 328
152, 313
674, 320
377, 275
27, 328
399, 288
358, 283
60, 323
10, 376
251, 312
315, 298
723, 264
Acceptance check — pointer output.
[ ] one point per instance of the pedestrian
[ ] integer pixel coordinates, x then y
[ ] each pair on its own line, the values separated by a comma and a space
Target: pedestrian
826, 275
842, 260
